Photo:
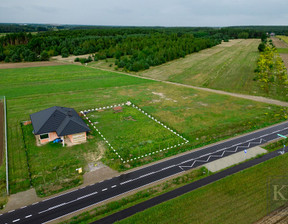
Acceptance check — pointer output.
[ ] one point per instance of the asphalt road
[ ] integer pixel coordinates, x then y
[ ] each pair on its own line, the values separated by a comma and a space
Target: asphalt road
53, 208
185, 189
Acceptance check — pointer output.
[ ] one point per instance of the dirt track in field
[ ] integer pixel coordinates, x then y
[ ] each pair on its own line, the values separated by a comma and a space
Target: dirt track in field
1, 132
280, 216
29, 64
279, 43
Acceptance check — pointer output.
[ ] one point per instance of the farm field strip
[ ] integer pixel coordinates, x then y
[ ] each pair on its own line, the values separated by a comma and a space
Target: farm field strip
143, 112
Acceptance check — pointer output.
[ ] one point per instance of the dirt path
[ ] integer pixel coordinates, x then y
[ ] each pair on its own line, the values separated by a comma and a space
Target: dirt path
1, 132
248, 97
279, 43
29, 64
285, 60
280, 216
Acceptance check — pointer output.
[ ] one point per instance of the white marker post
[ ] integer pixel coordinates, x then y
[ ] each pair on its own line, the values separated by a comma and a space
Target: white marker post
282, 136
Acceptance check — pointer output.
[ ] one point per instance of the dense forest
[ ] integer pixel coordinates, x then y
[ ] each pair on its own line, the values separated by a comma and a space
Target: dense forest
134, 48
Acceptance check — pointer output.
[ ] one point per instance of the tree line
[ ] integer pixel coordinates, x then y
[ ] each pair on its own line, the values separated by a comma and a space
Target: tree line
134, 48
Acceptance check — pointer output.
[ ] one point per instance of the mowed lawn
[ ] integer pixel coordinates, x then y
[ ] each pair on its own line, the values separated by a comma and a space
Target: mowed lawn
240, 198
229, 66
199, 116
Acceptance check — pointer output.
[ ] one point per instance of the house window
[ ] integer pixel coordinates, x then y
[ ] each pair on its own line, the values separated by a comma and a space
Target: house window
44, 136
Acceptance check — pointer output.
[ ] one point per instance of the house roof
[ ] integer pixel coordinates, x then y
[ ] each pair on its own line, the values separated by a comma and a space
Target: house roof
62, 120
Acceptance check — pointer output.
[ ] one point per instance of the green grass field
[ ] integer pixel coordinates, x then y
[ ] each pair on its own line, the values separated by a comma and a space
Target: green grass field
132, 133
240, 198
199, 116
57, 79
282, 50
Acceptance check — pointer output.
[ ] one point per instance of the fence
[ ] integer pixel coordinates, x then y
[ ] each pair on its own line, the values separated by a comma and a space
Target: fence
6, 142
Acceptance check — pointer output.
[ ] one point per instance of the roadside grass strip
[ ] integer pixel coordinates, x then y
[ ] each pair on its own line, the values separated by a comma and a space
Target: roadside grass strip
118, 151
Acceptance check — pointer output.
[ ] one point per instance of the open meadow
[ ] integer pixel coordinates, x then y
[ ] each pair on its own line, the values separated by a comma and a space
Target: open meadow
228, 66
198, 116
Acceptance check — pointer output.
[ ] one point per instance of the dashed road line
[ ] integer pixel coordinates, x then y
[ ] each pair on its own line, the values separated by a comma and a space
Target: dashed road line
125, 182
16, 220
27, 216
105, 189
113, 186
51, 208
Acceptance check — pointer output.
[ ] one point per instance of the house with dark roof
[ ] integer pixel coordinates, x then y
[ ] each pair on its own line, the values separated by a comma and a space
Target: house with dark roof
59, 122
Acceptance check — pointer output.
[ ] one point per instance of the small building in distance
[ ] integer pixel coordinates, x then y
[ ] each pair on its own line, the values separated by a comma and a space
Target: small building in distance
59, 122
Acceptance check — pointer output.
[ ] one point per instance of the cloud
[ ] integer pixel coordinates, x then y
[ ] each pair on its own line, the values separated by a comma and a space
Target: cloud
147, 13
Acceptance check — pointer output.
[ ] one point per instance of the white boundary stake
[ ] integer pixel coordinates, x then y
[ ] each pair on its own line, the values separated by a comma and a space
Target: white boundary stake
128, 103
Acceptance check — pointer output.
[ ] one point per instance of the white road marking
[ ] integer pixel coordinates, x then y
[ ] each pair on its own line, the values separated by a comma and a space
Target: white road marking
51, 208
113, 186
23, 207
11, 211
85, 196
125, 182
168, 167
28, 216
105, 189
16, 220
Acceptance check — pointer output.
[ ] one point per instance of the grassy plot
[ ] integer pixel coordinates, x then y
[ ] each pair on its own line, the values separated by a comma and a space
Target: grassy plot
55, 79
240, 198
132, 133
53, 167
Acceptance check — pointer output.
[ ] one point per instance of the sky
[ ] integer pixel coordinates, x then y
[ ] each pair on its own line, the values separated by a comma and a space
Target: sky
217, 13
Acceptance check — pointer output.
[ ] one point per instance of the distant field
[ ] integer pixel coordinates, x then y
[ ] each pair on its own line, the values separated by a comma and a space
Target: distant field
199, 116
240, 198
229, 66
284, 38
